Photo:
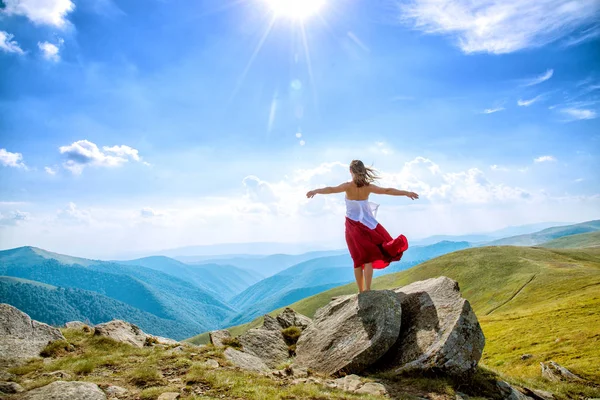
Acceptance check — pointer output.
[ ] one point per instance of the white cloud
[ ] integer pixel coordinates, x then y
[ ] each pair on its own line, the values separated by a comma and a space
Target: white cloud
74, 215
14, 217
492, 110
41, 12
540, 78
148, 212
302, 143
501, 26
8, 45
85, 153
9, 159
382, 148
50, 170
50, 51
527, 103
542, 159
498, 168
298, 135
579, 113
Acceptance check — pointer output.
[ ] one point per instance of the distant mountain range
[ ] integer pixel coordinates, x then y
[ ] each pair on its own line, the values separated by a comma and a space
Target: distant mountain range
545, 235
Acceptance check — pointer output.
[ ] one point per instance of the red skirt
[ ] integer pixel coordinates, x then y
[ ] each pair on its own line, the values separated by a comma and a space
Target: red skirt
374, 246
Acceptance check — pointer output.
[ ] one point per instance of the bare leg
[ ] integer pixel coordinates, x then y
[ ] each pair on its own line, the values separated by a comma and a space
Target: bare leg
358, 274
368, 276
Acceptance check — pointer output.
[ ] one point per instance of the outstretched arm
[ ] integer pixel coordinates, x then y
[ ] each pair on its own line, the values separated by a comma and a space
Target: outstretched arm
393, 192
328, 190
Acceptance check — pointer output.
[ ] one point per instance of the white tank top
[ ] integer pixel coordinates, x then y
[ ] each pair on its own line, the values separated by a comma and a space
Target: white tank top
362, 211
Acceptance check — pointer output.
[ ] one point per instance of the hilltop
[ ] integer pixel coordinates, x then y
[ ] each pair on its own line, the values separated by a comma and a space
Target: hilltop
545, 235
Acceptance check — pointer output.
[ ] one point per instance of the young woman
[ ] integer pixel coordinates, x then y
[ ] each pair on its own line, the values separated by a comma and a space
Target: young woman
370, 245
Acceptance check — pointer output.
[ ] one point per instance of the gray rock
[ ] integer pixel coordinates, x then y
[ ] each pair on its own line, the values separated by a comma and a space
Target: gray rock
350, 333
165, 341
510, 393
216, 337
349, 383
116, 391
122, 331
77, 325
556, 373
58, 374
22, 338
245, 361
61, 390
210, 363
290, 317
6, 376
538, 394
267, 345
169, 396
526, 357
270, 323
372, 388
10, 388
439, 330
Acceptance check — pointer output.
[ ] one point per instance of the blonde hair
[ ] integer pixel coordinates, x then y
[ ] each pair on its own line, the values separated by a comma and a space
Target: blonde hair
362, 176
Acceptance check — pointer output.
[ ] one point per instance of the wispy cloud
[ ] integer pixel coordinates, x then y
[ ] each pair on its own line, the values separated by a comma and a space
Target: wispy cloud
50, 170
50, 51
498, 168
85, 153
9, 159
492, 110
8, 45
40, 12
502, 26
579, 113
527, 103
540, 78
542, 159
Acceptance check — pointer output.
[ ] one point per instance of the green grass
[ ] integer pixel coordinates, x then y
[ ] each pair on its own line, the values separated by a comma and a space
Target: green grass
539, 301
580, 241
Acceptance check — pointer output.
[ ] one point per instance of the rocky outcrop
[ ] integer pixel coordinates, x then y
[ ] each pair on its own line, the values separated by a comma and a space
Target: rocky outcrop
510, 393
217, 337
61, 390
351, 332
77, 325
245, 361
268, 345
439, 330
270, 323
22, 338
124, 332
290, 318
556, 373
10, 388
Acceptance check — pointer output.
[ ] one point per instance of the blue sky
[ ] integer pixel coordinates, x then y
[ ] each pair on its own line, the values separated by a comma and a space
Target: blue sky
130, 127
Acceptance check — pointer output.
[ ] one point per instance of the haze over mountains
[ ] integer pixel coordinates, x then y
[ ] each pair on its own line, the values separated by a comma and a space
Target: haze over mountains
178, 299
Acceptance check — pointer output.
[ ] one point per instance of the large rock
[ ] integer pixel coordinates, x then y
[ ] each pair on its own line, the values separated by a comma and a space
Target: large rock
10, 388
439, 331
351, 332
77, 325
22, 338
122, 331
245, 361
290, 317
556, 373
507, 392
217, 337
267, 345
61, 390
270, 323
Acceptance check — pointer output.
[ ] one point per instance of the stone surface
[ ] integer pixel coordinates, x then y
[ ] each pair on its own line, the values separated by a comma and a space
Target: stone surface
122, 331
556, 373
349, 383
61, 390
290, 317
116, 391
538, 394
510, 393
60, 374
245, 361
76, 325
216, 337
22, 338
10, 388
439, 331
267, 345
373, 388
169, 396
350, 333
270, 323
165, 341
211, 363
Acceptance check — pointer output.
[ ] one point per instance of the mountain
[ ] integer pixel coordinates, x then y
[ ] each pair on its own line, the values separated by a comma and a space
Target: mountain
537, 301
56, 306
548, 234
579, 241
151, 291
222, 281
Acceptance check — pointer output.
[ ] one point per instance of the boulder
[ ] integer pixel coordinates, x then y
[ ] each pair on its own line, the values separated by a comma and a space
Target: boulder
267, 345
116, 391
61, 390
212, 364
270, 323
165, 341
22, 338
556, 373
440, 331
216, 337
507, 392
349, 383
169, 396
290, 317
123, 332
10, 388
350, 333
244, 360
372, 388
77, 325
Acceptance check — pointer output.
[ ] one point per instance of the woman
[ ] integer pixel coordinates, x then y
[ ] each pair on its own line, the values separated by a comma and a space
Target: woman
370, 245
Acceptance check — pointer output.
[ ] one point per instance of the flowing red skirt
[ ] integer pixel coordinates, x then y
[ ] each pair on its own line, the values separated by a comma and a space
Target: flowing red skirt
374, 246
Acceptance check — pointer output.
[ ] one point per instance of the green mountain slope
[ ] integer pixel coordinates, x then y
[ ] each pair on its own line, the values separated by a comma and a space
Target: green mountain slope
56, 306
580, 241
544, 302
548, 234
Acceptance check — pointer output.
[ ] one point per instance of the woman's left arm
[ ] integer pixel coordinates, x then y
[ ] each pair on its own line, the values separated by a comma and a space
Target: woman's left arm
328, 190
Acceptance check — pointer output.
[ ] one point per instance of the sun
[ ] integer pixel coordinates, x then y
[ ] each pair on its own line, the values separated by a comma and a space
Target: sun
295, 9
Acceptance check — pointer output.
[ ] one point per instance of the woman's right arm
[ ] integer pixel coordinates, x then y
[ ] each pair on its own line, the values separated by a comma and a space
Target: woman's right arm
392, 192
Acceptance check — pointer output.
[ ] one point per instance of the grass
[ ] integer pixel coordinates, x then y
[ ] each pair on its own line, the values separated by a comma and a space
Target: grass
580, 241
540, 301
